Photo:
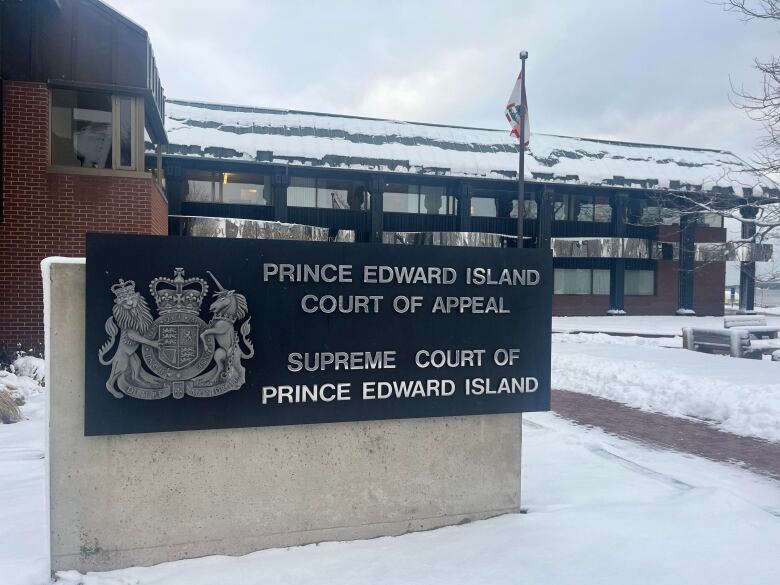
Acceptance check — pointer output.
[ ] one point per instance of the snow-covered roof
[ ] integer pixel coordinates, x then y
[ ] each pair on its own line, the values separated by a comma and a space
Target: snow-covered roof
215, 131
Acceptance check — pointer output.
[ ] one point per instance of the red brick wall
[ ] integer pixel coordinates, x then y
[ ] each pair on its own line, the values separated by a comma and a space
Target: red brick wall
47, 214
159, 211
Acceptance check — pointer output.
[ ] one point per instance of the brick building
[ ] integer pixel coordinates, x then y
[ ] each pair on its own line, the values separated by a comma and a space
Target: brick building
84, 148
79, 91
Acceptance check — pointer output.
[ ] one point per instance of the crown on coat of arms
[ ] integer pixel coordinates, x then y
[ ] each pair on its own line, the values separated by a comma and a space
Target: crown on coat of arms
123, 289
178, 293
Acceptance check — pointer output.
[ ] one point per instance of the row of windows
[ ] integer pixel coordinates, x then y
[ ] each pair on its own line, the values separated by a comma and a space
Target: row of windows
208, 187
340, 194
431, 200
589, 208
595, 281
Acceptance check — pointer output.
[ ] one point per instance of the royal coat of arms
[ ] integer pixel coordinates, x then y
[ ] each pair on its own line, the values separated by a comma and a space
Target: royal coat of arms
179, 352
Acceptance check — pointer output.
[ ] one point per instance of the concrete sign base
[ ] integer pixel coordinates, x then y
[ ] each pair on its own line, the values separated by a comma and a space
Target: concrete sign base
136, 500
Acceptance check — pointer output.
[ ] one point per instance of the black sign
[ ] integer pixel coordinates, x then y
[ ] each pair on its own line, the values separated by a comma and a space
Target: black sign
202, 333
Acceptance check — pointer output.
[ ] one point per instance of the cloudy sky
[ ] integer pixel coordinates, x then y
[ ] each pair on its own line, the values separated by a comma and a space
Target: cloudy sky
658, 72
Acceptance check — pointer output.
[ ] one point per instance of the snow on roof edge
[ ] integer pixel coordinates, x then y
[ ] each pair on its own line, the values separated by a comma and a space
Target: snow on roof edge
284, 111
207, 130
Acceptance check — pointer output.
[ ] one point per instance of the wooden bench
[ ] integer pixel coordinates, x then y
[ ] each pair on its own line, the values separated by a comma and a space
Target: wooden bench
754, 324
734, 341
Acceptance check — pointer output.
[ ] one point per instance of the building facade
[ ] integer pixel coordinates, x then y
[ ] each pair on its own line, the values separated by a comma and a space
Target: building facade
80, 93
624, 220
89, 143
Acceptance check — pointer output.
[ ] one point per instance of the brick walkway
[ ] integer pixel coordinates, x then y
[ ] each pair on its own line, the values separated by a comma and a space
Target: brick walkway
667, 432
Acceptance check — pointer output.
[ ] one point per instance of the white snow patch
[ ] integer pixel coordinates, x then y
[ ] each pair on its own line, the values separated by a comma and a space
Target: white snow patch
738, 395
18, 386
23, 503
607, 339
669, 325
30, 367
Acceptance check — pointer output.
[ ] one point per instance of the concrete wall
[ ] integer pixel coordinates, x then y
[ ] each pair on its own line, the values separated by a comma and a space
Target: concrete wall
125, 500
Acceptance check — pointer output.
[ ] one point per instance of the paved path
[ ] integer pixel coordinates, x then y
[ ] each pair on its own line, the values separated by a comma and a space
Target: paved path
687, 436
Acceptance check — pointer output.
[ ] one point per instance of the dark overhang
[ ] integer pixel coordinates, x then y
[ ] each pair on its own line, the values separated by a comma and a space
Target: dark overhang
81, 43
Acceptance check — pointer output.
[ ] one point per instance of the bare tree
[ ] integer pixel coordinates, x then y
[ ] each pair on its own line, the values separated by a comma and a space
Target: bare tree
762, 106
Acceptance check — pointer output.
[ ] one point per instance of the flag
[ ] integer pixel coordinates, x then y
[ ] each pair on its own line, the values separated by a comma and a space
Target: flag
516, 98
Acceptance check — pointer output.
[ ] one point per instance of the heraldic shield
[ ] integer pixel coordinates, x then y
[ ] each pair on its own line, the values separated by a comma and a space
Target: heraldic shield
180, 354
178, 344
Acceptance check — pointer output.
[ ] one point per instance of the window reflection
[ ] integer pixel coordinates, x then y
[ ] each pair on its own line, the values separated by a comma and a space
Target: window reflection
572, 281
602, 210
639, 282
581, 207
649, 212
125, 131
327, 194
500, 203
233, 188
81, 132
425, 199
560, 207
581, 281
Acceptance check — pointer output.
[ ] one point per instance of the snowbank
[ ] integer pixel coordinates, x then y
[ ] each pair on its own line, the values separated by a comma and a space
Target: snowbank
19, 386
30, 367
23, 504
640, 325
607, 339
739, 396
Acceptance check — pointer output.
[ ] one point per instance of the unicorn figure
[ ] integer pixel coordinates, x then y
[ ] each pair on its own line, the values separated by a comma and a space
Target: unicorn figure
228, 307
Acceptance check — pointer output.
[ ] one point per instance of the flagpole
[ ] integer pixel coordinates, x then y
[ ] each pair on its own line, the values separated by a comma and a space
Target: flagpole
521, 163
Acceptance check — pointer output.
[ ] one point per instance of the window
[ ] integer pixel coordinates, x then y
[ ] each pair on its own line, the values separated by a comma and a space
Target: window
245, 188
125, 132
602, 210
302, 192
327, 193
496, 203
200, 187
581, 281
96, 130
712, 220
483, 207
401, 198
434, 201
650, 212
560, 207
639, 282
232, 188
431, 200
600, 282
581, 207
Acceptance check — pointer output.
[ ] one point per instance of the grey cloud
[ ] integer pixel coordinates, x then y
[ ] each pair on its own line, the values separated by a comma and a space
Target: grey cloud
625, 69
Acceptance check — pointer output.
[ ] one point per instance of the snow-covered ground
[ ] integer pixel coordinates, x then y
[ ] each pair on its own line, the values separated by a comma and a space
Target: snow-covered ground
23, 518
599, 509
738, 395
662, 325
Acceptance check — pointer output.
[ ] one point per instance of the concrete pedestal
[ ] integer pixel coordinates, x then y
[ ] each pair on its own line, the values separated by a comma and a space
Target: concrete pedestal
126, 500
